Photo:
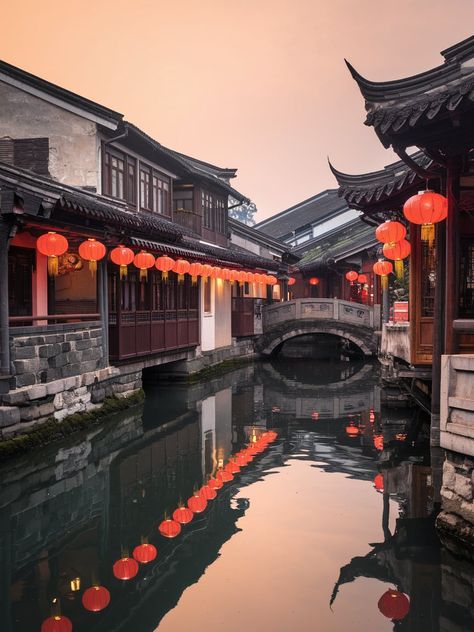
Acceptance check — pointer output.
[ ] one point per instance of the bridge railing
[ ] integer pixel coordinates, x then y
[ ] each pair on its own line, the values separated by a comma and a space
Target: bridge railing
318, 308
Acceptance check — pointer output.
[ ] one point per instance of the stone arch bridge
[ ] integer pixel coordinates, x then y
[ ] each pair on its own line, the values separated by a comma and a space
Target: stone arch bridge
347, 320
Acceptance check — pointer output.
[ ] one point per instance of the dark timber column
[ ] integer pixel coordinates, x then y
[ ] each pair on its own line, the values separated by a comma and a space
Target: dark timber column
102, 301
4, 326
438, 331
452, 255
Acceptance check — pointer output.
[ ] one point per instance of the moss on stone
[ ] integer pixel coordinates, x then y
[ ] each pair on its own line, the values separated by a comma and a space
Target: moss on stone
53, 430
219, 369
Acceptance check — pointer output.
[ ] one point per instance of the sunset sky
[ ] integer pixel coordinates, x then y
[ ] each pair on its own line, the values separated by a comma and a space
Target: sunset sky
260, 85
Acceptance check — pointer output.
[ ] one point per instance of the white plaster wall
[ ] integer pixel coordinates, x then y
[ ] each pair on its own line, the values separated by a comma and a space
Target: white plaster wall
223, 313
223, 411
208, 426
73, 140
207, 320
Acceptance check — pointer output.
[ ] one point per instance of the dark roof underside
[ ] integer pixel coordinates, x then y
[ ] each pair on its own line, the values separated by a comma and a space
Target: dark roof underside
303, 214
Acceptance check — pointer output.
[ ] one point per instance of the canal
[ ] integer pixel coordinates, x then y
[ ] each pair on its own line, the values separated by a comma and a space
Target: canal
330, 526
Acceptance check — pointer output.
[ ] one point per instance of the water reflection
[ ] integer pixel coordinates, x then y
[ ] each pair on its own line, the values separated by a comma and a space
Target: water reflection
344, 472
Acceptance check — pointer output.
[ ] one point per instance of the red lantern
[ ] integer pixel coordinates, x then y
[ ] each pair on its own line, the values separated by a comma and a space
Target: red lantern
362, 278
242, 277
352, 431
272, 280
314, 281
315, 416
378, 442
383, 269
183, 515
390, 232
195, 271
208, 492
96, 598
250, 277
144, 260
234, 276
352, 275
224, 476
378, 482
197, 503
52, 245
181, 267
426, 208
169, 528
394, 605
164, 264
57, 624
145, 553
397, 252
216, 272
226, 274
122, 257
125, 568
242, 459
215, 483
291, 281
92, 251
206, 271
232, 467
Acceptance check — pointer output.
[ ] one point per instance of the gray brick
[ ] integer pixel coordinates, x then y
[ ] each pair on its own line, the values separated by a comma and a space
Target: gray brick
48, 351
65, 347
26, 366
91, 354
58, 361
76, 336
83, 344
9, 415
26, 379
37, 392
23, 353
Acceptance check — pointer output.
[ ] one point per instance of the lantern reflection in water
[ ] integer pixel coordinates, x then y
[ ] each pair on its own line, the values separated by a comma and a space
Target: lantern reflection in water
57, 624
394, 605
183, 515
126, 568
145, 553
169, 528
96, 598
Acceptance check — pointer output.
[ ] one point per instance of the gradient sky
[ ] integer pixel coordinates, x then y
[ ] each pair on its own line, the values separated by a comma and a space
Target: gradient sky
260, 85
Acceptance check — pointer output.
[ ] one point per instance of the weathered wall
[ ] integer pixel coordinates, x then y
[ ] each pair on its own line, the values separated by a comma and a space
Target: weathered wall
396, 340
73, 141
58, 371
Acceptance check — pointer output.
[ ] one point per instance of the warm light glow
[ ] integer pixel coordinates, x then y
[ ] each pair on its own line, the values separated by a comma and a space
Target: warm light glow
75, 584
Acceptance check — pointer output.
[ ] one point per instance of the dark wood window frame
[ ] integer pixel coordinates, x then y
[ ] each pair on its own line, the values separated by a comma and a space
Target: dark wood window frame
128, 191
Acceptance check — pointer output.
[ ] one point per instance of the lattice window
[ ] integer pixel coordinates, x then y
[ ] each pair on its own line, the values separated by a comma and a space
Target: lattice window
428, 278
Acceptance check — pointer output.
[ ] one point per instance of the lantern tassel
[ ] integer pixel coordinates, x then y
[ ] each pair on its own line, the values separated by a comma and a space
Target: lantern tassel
164, 276
428, 233
123, 271
384, 282
53, 265
143, 274
399, 269
180, 278
93, 267
193, 280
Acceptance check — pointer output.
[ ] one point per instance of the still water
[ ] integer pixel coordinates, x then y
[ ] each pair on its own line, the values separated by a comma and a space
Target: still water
310, 535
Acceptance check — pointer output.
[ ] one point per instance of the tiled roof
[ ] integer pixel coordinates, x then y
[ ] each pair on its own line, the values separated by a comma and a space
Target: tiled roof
304, 214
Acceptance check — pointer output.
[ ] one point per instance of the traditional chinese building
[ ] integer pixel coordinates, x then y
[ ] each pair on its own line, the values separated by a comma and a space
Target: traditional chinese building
433, 111
77, 169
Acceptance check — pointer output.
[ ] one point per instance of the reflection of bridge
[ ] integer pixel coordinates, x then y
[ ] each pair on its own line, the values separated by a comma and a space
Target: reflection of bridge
352, 321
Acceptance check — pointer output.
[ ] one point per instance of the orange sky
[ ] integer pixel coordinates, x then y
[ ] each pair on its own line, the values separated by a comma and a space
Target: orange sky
256, 84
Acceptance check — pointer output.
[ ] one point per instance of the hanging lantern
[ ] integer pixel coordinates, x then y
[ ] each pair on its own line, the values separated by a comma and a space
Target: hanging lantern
183, 515
145, 553
181, 267
122, 257
195, 271
226, 274
144, 260
272, 280
125, 568
234, 276
397, 252
96, 598
394, 605
197, 503
52, 245
378, 482
206, 272
291, 281
352, 275
315, 416
250, 277
390, 232
232, 467
362, 278
224, 476
314, 281
92, 251
215, 483
378, 442
383, 269
426, 208
56, 624
164, 264
169, 528
216, 272
242, 277
352, 431
208, 492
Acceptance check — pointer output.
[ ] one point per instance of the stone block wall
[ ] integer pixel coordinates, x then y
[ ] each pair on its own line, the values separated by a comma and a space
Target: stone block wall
58, 371
457, 515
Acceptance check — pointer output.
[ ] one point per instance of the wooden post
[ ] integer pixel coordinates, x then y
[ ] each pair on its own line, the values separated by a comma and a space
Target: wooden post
385, 305
452, 255
102, 302
438, 332
4, 310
